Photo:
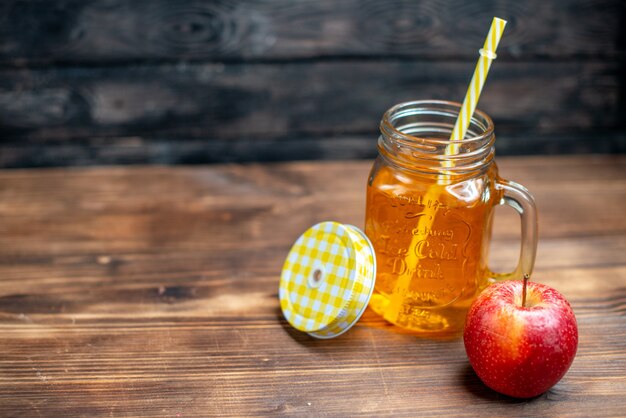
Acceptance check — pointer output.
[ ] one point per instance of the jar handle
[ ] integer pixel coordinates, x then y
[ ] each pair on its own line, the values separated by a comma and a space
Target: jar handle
519, 198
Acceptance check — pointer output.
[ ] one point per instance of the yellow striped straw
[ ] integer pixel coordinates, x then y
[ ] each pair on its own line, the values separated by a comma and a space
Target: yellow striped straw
487, 55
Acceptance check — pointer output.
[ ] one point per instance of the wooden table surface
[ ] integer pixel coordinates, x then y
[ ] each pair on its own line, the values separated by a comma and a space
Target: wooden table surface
153, 291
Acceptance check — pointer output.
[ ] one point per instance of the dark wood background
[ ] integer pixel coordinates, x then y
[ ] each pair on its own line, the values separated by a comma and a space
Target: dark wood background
120, 82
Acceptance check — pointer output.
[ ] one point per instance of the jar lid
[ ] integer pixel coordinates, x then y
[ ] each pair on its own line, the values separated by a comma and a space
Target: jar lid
327, 279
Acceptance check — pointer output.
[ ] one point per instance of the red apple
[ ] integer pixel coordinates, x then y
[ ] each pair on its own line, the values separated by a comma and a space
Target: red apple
520, 339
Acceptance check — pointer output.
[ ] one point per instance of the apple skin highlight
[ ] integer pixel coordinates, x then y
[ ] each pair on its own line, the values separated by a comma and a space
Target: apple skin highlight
520, 351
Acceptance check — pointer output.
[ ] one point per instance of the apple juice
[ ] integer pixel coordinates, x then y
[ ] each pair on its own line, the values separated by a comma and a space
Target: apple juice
429, 215
436, 241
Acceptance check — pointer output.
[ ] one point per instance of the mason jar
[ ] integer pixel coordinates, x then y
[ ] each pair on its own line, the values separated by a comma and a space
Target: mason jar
429, 211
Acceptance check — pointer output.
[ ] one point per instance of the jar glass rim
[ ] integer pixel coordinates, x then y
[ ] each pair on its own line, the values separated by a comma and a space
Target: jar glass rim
478, 116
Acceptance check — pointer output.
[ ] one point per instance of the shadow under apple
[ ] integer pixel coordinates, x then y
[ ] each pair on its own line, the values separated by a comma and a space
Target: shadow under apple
472, 383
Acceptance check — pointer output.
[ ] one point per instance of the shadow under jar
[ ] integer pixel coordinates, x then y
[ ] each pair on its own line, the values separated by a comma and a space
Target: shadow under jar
429, 211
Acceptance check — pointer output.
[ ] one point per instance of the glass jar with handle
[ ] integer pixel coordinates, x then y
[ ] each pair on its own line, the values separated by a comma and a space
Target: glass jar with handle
429, 215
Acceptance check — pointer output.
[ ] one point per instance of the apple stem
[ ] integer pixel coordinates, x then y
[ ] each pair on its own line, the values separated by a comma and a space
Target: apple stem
526, 277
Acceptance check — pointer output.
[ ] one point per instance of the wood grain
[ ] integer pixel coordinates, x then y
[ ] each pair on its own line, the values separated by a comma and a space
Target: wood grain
97, 31
95, 82
202, 113
155, 150
153, 291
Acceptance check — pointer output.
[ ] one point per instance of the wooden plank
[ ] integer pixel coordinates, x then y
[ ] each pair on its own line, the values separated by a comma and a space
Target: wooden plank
221, 367
153, 291
74, 292
94, 82
115, 31
155, 150
259, 200
250, 102
135, 267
